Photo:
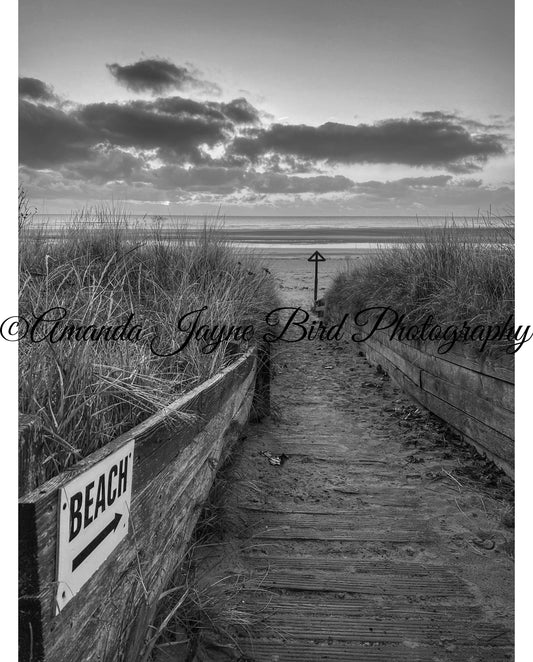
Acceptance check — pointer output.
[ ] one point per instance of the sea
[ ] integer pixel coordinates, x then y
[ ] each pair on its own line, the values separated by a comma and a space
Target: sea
281, 235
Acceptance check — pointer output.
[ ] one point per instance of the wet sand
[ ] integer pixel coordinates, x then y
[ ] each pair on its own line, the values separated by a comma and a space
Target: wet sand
336, 234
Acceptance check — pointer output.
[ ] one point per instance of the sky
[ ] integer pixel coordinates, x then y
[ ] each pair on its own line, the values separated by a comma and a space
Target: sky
293, 107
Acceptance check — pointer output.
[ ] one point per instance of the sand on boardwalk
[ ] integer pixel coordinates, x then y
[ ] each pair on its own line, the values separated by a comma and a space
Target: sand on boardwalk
379, 537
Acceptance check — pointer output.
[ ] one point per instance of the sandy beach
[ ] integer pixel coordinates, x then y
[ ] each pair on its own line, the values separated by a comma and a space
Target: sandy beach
295, 276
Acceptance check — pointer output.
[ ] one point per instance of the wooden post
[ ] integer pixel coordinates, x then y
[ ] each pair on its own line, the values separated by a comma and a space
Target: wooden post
261, 401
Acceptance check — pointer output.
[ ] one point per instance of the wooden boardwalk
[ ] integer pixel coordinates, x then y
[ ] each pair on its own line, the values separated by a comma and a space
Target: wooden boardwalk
367, 543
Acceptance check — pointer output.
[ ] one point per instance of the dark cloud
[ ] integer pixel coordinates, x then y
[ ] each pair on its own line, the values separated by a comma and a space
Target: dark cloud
157, 75
432, 141
172, 148
284, 163
108, 164
498, 123
34, 89
240, 111
49, 136
178, 129
142, 126
226, 180
215, 179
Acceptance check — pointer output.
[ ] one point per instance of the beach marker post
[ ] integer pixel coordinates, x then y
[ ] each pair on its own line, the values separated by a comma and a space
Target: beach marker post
316, 258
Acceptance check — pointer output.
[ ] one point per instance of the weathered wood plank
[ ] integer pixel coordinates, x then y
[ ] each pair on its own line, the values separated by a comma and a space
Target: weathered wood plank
324, 650
490, 442
472, 392
170, 483
31, 469
475, 394
397, 358
470, 403
486, 386
166, 425
496, 365
500, 366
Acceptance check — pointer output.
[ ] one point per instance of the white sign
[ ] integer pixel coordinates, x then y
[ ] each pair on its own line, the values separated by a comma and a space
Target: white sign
94, 510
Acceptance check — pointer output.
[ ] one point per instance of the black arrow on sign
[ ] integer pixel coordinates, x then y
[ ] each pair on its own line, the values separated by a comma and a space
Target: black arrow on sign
87, 551
316, 258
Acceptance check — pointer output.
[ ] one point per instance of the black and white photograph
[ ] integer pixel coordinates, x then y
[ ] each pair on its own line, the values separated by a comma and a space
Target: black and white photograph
266, 333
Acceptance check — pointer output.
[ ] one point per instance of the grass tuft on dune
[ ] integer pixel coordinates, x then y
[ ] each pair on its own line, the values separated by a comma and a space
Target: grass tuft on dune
453, 276
84, 394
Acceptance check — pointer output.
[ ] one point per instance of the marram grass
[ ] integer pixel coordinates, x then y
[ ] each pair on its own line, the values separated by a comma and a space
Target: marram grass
452, 275
84, 394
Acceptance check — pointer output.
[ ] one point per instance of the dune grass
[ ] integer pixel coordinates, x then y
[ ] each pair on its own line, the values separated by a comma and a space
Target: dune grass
203, 611
82, 394
450, 275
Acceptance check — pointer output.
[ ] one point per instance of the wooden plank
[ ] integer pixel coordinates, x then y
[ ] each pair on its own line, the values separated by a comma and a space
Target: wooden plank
30, 454
166, 502
356, 606
325, 650
261, 402
164, 434
384, 630
464, 354
364, 584
347, 565
470, 403
488, 441
327, 520
499, 365
396, 357
406, 536
493, 389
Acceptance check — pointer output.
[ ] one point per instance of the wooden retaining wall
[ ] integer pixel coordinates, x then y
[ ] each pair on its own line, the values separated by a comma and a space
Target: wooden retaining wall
175, 462
471, 391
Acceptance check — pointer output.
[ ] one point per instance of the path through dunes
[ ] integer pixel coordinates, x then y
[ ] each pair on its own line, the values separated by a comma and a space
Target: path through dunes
368, 542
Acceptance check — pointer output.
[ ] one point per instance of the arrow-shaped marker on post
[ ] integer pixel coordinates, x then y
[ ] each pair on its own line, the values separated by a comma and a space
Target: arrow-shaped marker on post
316, 258
100, 537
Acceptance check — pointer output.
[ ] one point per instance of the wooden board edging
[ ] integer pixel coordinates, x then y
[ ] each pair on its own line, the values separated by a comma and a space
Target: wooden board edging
176, 459
473, 394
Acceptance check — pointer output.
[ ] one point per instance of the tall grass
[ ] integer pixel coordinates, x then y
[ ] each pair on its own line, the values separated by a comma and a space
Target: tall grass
83, 394
454, 276
203, 611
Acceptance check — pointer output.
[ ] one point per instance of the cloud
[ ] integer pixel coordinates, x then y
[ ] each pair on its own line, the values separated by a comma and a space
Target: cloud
157, 75
498, 123
127, 177
49, 137
173, 148
277, 183
430, 141
109, 165
105, 165
240, 111
143, 126
179, 130
440, 192
34, 89
406, 183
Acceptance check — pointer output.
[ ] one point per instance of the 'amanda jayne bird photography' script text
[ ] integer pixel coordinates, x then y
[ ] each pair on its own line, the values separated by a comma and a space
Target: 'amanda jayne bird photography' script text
285, 324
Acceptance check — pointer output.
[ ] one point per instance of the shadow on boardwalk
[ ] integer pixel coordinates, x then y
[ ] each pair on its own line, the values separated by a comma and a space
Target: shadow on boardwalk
372, 541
